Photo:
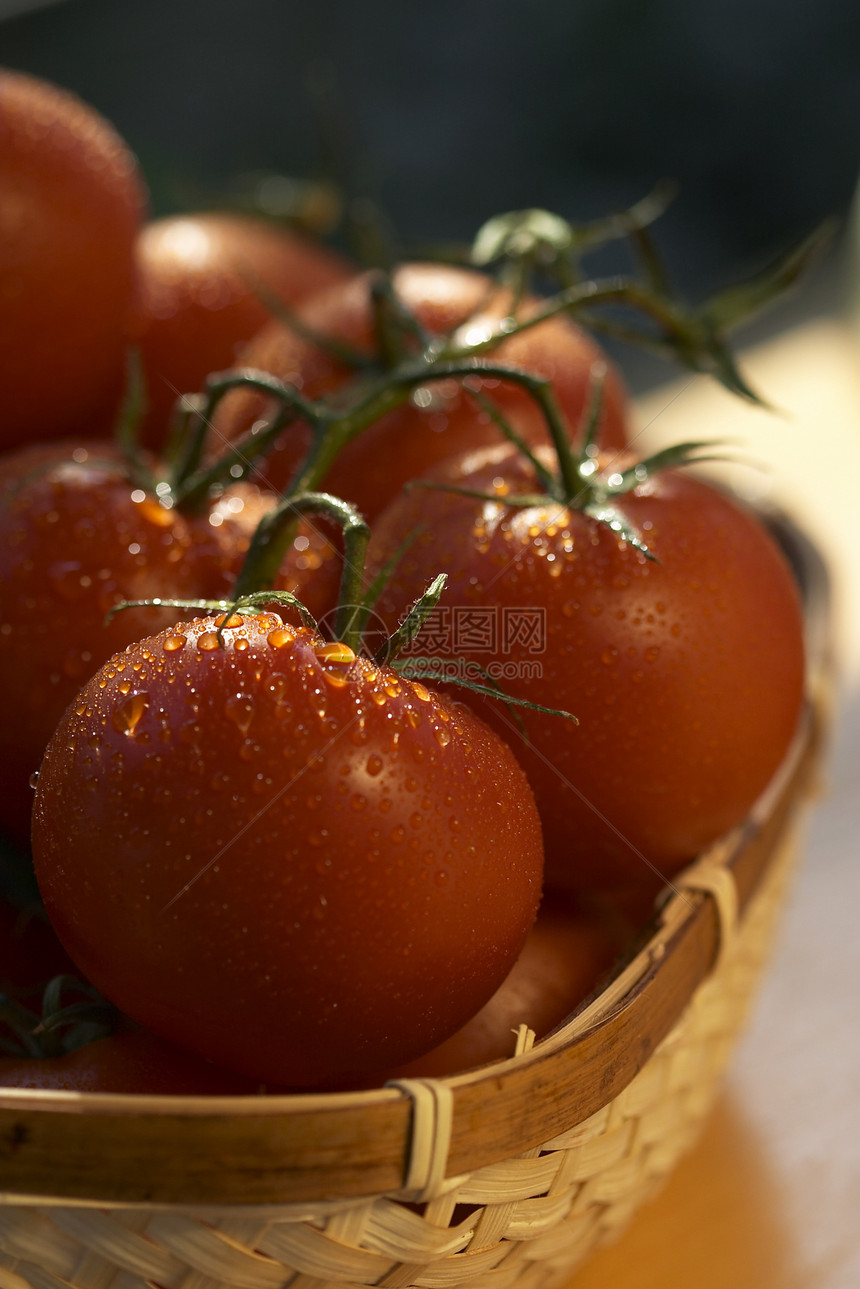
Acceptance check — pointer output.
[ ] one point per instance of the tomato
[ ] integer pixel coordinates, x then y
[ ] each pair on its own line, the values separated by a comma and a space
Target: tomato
199, 283
440, 419
71, 204
301, 866
76, 537
128, 1060
686, 671
563, 959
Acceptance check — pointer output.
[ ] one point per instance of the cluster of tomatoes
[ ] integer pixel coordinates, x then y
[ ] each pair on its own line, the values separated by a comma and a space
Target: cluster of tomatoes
347, 815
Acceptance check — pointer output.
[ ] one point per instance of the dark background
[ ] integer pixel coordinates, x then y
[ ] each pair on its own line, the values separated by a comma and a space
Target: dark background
449, 112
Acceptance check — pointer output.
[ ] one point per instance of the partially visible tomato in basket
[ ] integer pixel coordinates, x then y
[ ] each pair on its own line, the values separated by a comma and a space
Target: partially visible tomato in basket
684, 666
206, 285
71, 203
438, 419
566, 955
128, 1060
285, 858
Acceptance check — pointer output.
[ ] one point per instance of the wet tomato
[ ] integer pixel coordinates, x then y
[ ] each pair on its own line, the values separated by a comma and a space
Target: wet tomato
685, 671
440, 419
71, 204
200, 279
287, 859
76, 537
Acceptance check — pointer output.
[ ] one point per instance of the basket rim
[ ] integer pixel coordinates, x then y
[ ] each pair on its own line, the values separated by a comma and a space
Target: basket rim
123, 1148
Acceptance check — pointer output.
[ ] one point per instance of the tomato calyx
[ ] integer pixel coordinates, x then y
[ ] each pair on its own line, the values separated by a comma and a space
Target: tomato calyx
580, 479
60, 1026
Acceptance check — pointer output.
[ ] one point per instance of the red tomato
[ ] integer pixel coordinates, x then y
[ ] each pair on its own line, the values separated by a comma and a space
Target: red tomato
686, 675
303, 867
199, 277
71, 203
77, 537
562, 961
440, 420
128, 1060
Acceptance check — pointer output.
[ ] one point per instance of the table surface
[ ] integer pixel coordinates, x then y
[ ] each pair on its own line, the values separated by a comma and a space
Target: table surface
770, 1196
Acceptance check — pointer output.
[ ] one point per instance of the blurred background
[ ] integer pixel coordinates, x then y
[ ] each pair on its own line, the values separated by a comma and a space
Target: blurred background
446, 114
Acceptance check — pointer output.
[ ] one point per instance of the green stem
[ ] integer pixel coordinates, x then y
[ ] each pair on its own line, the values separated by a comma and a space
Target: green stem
188, 459
273, 536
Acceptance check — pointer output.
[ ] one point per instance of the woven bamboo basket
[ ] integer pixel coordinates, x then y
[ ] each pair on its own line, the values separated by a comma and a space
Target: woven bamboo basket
505, 1175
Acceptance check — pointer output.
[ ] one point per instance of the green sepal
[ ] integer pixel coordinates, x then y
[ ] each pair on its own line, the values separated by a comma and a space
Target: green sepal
413, 622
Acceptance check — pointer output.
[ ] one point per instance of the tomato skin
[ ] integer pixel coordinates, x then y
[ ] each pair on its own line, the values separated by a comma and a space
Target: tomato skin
686, 675
76, 537
128, 1060
409, 440
71, 203
197, 303
301, 871
563, 959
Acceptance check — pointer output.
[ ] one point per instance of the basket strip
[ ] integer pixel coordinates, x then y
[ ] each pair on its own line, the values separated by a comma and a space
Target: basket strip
430, 1135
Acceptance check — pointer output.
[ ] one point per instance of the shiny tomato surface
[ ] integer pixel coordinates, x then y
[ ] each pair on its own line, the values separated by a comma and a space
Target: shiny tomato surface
685, 671
293, 862
71, 203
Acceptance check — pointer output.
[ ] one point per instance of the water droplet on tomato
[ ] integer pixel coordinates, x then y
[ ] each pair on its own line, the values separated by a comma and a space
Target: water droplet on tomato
208, 641
34, 779
173, 642
443, 738
126, 717
374, 765
280, 637
335, 651
239, 708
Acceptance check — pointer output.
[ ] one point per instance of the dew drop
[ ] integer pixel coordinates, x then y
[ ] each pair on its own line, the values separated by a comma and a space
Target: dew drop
239, 708
374, 765
126, 717
173, 642
279, 638
336, 651
208, 641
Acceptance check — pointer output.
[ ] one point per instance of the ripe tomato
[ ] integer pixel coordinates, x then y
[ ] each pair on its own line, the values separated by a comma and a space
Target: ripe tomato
439, 420
77, 537
303, 867
128, 1060
199, 277
563, 959
686, 674
71, 203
